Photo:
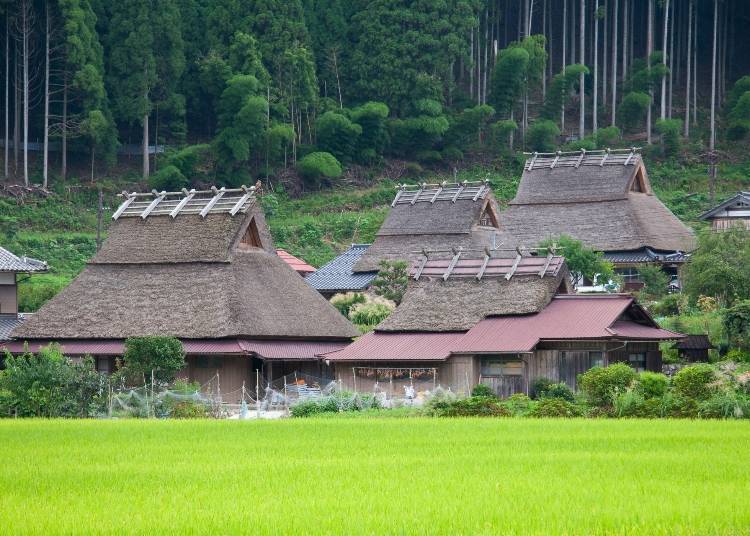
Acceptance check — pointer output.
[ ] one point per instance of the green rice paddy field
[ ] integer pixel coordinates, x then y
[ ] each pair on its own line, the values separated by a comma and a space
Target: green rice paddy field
375, 476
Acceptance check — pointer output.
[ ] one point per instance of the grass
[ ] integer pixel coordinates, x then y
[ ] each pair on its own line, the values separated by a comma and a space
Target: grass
375, 476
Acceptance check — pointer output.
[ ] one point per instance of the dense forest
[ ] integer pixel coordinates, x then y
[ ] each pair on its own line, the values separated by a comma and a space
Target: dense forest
238, 90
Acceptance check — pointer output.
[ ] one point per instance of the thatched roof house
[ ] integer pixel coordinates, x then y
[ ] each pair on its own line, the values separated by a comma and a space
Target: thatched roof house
200, 266
602, 198
500, 321
434, 217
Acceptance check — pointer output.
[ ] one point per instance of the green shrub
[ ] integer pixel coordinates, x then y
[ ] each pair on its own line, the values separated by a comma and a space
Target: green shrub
669, 305
372, 312
452, 154
317, 167
164, 356
413, 169
670, 130
483, 390
345, 302
340, 402
725, 404
169, 178
558, 390
736, 322
601, 385
652, 384
554, 407
337, 135
475, 406
518, 404
694, 382
737, 355
539, 386
633, 108
608, 137
429, 157
542, 136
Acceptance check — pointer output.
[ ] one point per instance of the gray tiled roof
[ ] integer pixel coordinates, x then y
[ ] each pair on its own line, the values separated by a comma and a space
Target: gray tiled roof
9, 322
337, 275
644, 255
12, 263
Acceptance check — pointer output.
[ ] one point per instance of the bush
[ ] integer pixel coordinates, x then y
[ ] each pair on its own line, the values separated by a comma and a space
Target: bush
601, 385
608, 137
345, 302
317, 167
169, 178
558, 390
475, 406
669, 305
518, 404
725, 404
652, 384
554, 407
670, 136
694, 382
736, 322
371, 313
337, 135
483, 390
339, 402
542, 136
429, 157
633, 108
737, 355
540, 386
164, 356
632, 403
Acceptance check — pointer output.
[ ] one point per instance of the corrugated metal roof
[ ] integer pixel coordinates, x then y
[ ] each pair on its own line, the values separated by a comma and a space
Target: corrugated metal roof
13, 263
265, 349
378, 346
632, 330
8, 323
297, 264
338, 275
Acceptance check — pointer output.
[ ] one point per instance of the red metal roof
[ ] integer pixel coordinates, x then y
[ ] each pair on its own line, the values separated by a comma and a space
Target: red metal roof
378, 346
266, 349
298, 265
565, 318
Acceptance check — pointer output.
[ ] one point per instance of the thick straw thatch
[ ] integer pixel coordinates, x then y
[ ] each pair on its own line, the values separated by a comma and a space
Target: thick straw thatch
178, 278
608, 208
432, 304
439, 225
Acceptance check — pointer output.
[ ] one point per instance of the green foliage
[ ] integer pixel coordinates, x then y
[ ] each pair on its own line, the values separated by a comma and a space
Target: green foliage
374, 139
739, 118
345, 302
164, 356
652, 384
668, 305
392, 280
632, 110
500, 131
556, 390
694, 382
508, 77
318, 167
543, 136
518, 404
469, 127
344, 401
47, 384
474, 406
608, 137
371, 313
725, 404
482, 390
169, 178
554, 408
336, 134
601, 385
720, 267
539, 386
36, 291
670, 130
655, 280
581, 261
559, 90
420, 131
183, 168
736, 321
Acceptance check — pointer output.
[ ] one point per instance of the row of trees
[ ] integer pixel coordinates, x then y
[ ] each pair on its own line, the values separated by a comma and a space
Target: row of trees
257, 77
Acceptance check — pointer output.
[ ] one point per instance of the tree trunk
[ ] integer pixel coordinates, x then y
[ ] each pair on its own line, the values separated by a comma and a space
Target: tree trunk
45, 149
614, 63
64, 130
7, 83
712, 142
562, 69
649, 51
665, 34
16, 110
471, 65
670, 92
625, 35
695, 66
687, 78
582, 56
605, 56
486, 54
595, 104
546, 47
145, 148
25, 38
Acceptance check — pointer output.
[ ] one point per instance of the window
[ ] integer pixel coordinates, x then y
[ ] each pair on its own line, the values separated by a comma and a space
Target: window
637, 361
251, 238
488, 218
205, 362
496, 366
629, 274
596, 359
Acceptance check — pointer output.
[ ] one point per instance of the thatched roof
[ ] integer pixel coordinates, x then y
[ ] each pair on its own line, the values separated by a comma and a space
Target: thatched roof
609, 206
189, 277
457, 303
437, 216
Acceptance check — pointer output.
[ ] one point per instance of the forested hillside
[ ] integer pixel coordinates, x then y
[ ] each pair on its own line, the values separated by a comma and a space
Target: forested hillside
330, 103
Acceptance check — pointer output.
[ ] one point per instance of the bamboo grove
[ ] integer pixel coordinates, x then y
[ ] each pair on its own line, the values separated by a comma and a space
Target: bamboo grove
249, 86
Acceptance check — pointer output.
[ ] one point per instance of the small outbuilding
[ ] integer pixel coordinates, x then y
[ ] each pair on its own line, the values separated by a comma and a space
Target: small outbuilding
694, 348
11, 268
734, 212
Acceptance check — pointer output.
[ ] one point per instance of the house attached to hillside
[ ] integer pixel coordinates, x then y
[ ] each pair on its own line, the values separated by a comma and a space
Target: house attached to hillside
605, 200
11, 267
436, 217
200, 266
734, 212
499, 321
